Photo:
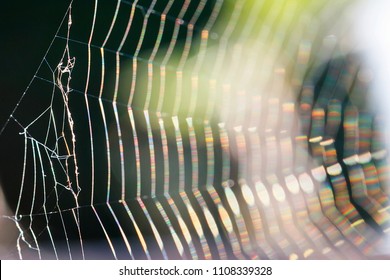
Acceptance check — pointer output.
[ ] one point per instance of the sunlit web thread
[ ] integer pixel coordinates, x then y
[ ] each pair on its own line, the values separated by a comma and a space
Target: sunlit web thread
179, 137
36, 147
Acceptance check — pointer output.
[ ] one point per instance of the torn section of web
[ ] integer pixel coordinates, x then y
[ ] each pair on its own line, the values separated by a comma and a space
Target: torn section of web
47, 155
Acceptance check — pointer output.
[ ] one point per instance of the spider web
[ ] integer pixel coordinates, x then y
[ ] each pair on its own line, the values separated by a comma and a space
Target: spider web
205, 129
